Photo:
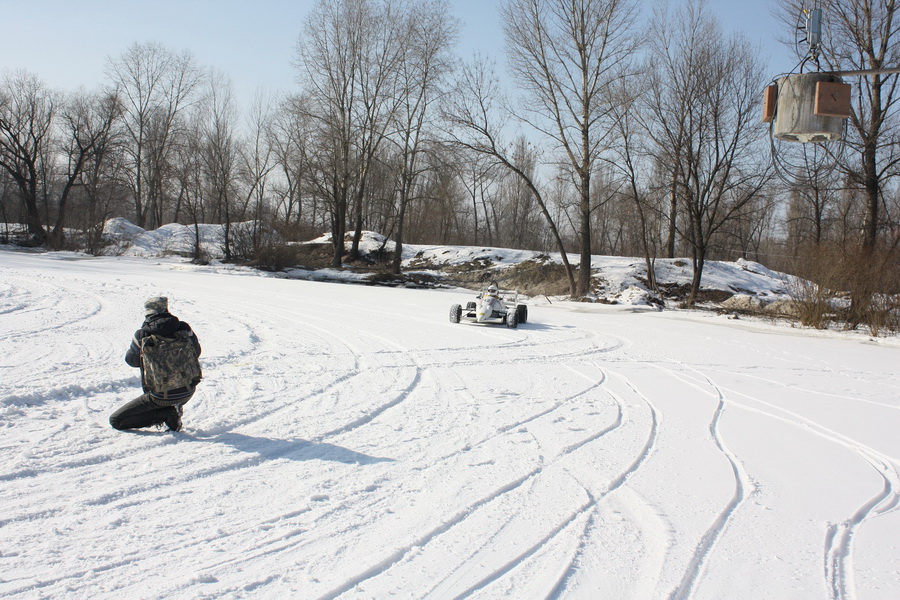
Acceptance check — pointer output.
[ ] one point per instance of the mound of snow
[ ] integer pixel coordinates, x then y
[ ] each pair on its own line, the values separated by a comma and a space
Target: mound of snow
635, 296
173, 238
370, 242
122, 228
742, 302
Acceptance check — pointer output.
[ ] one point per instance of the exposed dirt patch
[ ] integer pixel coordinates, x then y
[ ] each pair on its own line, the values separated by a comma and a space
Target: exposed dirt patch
538, 278
681, 291
714, 296
405, 280
531, 278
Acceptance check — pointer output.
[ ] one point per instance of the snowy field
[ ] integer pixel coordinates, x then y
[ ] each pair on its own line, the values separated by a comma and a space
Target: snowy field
350, 442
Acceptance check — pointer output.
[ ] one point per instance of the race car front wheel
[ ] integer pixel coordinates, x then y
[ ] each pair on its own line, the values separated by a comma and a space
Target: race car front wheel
455, 313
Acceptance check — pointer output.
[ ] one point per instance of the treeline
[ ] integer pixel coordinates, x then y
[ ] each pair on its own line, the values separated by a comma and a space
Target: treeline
618, 132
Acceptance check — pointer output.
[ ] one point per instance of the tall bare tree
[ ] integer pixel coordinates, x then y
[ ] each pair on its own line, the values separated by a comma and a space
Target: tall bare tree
864, 35
477, 127
156, 86
328, 64
347, 59
703, 100
257, 162
520, 221
565, 54
812, 199
27, 112
220, 152
382, 51
88, 123
478, 175
189, 175
627, 158
289, 136
428, 38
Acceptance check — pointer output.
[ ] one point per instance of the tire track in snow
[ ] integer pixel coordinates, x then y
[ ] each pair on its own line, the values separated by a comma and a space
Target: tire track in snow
838, 544
517, 560
798, 388
565, 522
649, 446
615, 484
460, 516
397, 555
742, 482
540, 414
51, 295
589, 508
420, 364
839, 536
371, 414
260, 337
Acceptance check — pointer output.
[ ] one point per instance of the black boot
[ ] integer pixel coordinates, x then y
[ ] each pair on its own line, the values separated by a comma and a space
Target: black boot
173, 419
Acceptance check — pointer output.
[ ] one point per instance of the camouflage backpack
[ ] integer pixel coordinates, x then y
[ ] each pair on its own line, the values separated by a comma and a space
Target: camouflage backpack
170, 363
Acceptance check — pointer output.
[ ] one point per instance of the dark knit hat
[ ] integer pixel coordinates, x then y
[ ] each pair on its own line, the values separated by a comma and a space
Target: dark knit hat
156, 305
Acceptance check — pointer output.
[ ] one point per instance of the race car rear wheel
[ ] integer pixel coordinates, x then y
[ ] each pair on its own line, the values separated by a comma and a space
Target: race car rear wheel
455, 313
522, 313
512, 319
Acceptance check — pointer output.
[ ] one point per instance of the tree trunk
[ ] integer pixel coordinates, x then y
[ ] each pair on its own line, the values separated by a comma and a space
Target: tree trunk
398, 249
584, 270
872, 198
673, 219
699, 260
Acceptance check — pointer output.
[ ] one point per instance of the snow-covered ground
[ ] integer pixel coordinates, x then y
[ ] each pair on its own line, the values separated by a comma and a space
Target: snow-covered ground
350, 442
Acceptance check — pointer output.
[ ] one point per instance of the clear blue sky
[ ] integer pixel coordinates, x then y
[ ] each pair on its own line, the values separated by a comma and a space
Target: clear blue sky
67, 42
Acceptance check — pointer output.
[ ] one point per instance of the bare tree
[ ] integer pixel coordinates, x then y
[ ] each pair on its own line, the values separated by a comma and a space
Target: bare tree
27, 112
703, 101
626, 158
220, 153
257, 162
382, 51
565, 54
478, 175
520, 221
87, 122
425, 64
156, 86
864, 35
472, 112
289, 135
812, 200
347, 60
190, 177
102, 188
327, 61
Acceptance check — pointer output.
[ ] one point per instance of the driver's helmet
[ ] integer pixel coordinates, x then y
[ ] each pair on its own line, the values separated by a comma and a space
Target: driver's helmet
492, 290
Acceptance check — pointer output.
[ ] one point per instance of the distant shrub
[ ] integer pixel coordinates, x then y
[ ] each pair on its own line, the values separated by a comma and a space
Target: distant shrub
849, 285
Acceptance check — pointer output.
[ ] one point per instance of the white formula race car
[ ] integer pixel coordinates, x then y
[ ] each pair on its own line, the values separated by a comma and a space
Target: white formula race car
495, 306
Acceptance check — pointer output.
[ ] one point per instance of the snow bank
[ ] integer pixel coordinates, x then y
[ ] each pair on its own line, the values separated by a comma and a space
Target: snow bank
621, 280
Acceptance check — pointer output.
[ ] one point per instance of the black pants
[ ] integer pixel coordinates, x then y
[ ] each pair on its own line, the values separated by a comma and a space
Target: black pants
143, 412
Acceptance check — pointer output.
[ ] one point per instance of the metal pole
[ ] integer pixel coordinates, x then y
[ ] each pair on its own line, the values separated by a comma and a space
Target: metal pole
865, 72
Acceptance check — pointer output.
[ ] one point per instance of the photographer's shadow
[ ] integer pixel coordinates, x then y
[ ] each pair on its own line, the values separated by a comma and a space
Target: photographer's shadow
300, 450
